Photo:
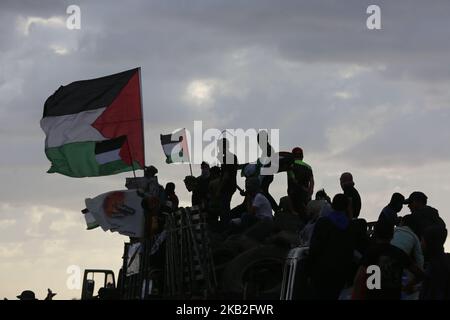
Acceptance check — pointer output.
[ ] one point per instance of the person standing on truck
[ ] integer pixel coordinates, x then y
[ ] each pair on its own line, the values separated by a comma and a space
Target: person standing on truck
348, 187
228, 180
171, 196
199, 186
331, 251
389, 214
300, 182
265, 161
424, 216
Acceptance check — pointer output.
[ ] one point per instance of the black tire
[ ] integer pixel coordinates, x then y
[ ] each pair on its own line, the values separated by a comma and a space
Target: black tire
229, 250
215, 239
284, 239
240, 243
288, 222
224, 254
260, 230
260, 269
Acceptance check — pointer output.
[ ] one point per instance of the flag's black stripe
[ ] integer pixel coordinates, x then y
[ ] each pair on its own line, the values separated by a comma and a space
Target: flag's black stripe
167, 139
109, 145
86, 95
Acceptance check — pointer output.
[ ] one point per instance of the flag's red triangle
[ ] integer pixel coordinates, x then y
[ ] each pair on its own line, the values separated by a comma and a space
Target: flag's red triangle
123, 117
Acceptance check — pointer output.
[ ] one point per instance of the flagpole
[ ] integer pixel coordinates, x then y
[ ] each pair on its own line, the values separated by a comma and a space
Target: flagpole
131, 157
189, 155
142, 115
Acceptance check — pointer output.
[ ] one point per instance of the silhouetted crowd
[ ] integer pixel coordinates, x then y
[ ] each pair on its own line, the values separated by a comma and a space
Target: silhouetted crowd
407, 252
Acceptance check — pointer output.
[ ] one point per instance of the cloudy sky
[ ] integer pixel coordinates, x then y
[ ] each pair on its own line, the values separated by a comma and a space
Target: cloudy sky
373, 102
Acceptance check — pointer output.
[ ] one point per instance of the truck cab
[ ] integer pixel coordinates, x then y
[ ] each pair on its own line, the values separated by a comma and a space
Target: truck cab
99, 284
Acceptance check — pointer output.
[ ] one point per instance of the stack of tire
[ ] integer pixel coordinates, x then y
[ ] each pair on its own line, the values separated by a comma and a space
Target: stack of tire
250, 265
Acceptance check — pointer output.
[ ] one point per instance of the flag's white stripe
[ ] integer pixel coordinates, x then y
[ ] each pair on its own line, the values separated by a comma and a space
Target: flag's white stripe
168, 148
70, 128
109, 156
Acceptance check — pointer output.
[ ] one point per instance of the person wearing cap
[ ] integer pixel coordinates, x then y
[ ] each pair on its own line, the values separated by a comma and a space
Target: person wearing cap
150, 171
28, 295
389, 214
348, 186
228, 180
152, 187
300, 182
424, 216
199, 186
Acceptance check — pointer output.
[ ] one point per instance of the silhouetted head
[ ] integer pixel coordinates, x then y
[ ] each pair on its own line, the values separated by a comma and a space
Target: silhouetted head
340, 202
204, 165
416, 200
322, 195
297, 152
346, 180
150, 171
27, 295
170, 188
252, 185
397, 201
190, 182
205, 169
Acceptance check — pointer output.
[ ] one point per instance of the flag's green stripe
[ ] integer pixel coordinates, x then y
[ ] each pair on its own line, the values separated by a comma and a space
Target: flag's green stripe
92, 225
78, 160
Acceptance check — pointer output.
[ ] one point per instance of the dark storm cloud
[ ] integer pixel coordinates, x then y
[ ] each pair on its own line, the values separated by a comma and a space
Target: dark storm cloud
176, 42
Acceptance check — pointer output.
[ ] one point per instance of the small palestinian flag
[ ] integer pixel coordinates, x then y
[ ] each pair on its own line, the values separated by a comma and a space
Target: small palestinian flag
94, 127
175, 146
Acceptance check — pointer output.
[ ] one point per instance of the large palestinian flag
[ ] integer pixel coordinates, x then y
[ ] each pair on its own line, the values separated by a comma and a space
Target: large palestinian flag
94, 127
